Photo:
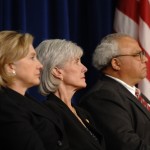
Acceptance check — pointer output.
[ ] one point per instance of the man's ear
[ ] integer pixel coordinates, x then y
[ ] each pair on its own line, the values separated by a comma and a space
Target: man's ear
115, 63
57, 73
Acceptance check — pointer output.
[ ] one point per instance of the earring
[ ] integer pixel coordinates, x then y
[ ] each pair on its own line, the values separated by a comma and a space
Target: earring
14, 72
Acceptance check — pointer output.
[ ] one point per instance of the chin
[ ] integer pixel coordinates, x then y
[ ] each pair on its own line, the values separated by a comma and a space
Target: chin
36, 83
83, 86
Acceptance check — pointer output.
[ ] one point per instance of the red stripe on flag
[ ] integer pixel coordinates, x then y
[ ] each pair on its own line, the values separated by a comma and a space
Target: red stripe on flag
130, 10
139, 12
145, 11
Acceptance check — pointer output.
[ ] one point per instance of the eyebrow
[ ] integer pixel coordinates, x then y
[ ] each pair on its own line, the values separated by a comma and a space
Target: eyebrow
32, 53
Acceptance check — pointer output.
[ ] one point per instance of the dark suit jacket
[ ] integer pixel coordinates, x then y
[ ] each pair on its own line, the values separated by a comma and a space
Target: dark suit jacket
79, 137
27, 125
124, 121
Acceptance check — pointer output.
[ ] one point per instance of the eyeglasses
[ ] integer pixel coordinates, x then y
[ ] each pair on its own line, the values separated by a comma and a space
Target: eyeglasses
140, 54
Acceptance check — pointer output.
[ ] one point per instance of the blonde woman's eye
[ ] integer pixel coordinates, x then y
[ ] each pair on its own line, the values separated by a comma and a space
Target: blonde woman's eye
33, 57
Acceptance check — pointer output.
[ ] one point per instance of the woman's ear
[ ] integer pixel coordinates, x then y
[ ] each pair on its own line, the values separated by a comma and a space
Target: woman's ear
10, 69
57, 73
115, 64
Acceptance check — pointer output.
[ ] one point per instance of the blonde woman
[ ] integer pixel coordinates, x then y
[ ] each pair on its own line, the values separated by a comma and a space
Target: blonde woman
24, 123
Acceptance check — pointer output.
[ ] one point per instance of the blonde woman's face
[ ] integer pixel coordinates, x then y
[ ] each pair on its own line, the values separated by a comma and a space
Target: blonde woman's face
28, 70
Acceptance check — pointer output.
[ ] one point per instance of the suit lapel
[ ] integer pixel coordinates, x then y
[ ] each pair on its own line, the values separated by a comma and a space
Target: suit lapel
33, 106
55, 100
42, 110
132, 98
89, 125
128, 94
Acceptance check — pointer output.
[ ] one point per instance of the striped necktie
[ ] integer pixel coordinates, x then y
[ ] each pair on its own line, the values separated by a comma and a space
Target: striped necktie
142, 101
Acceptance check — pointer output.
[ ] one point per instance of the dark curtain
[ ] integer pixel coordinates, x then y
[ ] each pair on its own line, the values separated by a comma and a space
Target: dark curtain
84, 22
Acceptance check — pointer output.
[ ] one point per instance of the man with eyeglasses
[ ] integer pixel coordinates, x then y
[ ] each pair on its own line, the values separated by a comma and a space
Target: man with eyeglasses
117, 112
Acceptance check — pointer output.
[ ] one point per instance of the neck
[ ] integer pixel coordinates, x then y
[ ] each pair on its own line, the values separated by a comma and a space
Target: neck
64, 96
65, 93
18, 89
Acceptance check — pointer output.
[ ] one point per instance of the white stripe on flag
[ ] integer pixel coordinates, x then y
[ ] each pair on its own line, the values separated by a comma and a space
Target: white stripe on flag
124, 24
144, 36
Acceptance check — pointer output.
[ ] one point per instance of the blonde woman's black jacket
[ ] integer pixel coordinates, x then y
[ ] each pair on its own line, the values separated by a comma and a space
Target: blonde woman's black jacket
26, 124
124, 121
79, 137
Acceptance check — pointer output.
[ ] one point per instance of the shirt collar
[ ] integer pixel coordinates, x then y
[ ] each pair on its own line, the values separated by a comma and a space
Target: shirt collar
128, 87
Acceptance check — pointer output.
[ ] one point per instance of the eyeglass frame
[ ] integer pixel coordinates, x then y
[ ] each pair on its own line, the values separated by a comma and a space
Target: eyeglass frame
141, 54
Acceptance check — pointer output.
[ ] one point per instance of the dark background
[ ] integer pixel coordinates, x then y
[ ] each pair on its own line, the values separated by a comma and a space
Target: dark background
84, 22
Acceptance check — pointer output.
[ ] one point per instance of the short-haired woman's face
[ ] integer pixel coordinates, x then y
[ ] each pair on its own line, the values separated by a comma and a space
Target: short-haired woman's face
28, 69
73, 74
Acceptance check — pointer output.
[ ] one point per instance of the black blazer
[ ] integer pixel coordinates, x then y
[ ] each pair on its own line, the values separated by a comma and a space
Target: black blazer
79, 136
124, 121
27, 125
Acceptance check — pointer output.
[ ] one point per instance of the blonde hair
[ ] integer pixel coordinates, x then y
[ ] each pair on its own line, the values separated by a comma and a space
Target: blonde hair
13, 47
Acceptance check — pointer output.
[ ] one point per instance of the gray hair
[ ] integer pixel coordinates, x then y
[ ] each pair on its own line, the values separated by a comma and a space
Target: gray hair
106, 50
54, 53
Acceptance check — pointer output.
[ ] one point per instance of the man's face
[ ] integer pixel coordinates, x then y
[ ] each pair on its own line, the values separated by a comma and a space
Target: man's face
133, 64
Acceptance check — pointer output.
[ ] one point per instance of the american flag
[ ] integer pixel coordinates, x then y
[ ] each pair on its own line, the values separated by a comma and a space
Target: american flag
133, 17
